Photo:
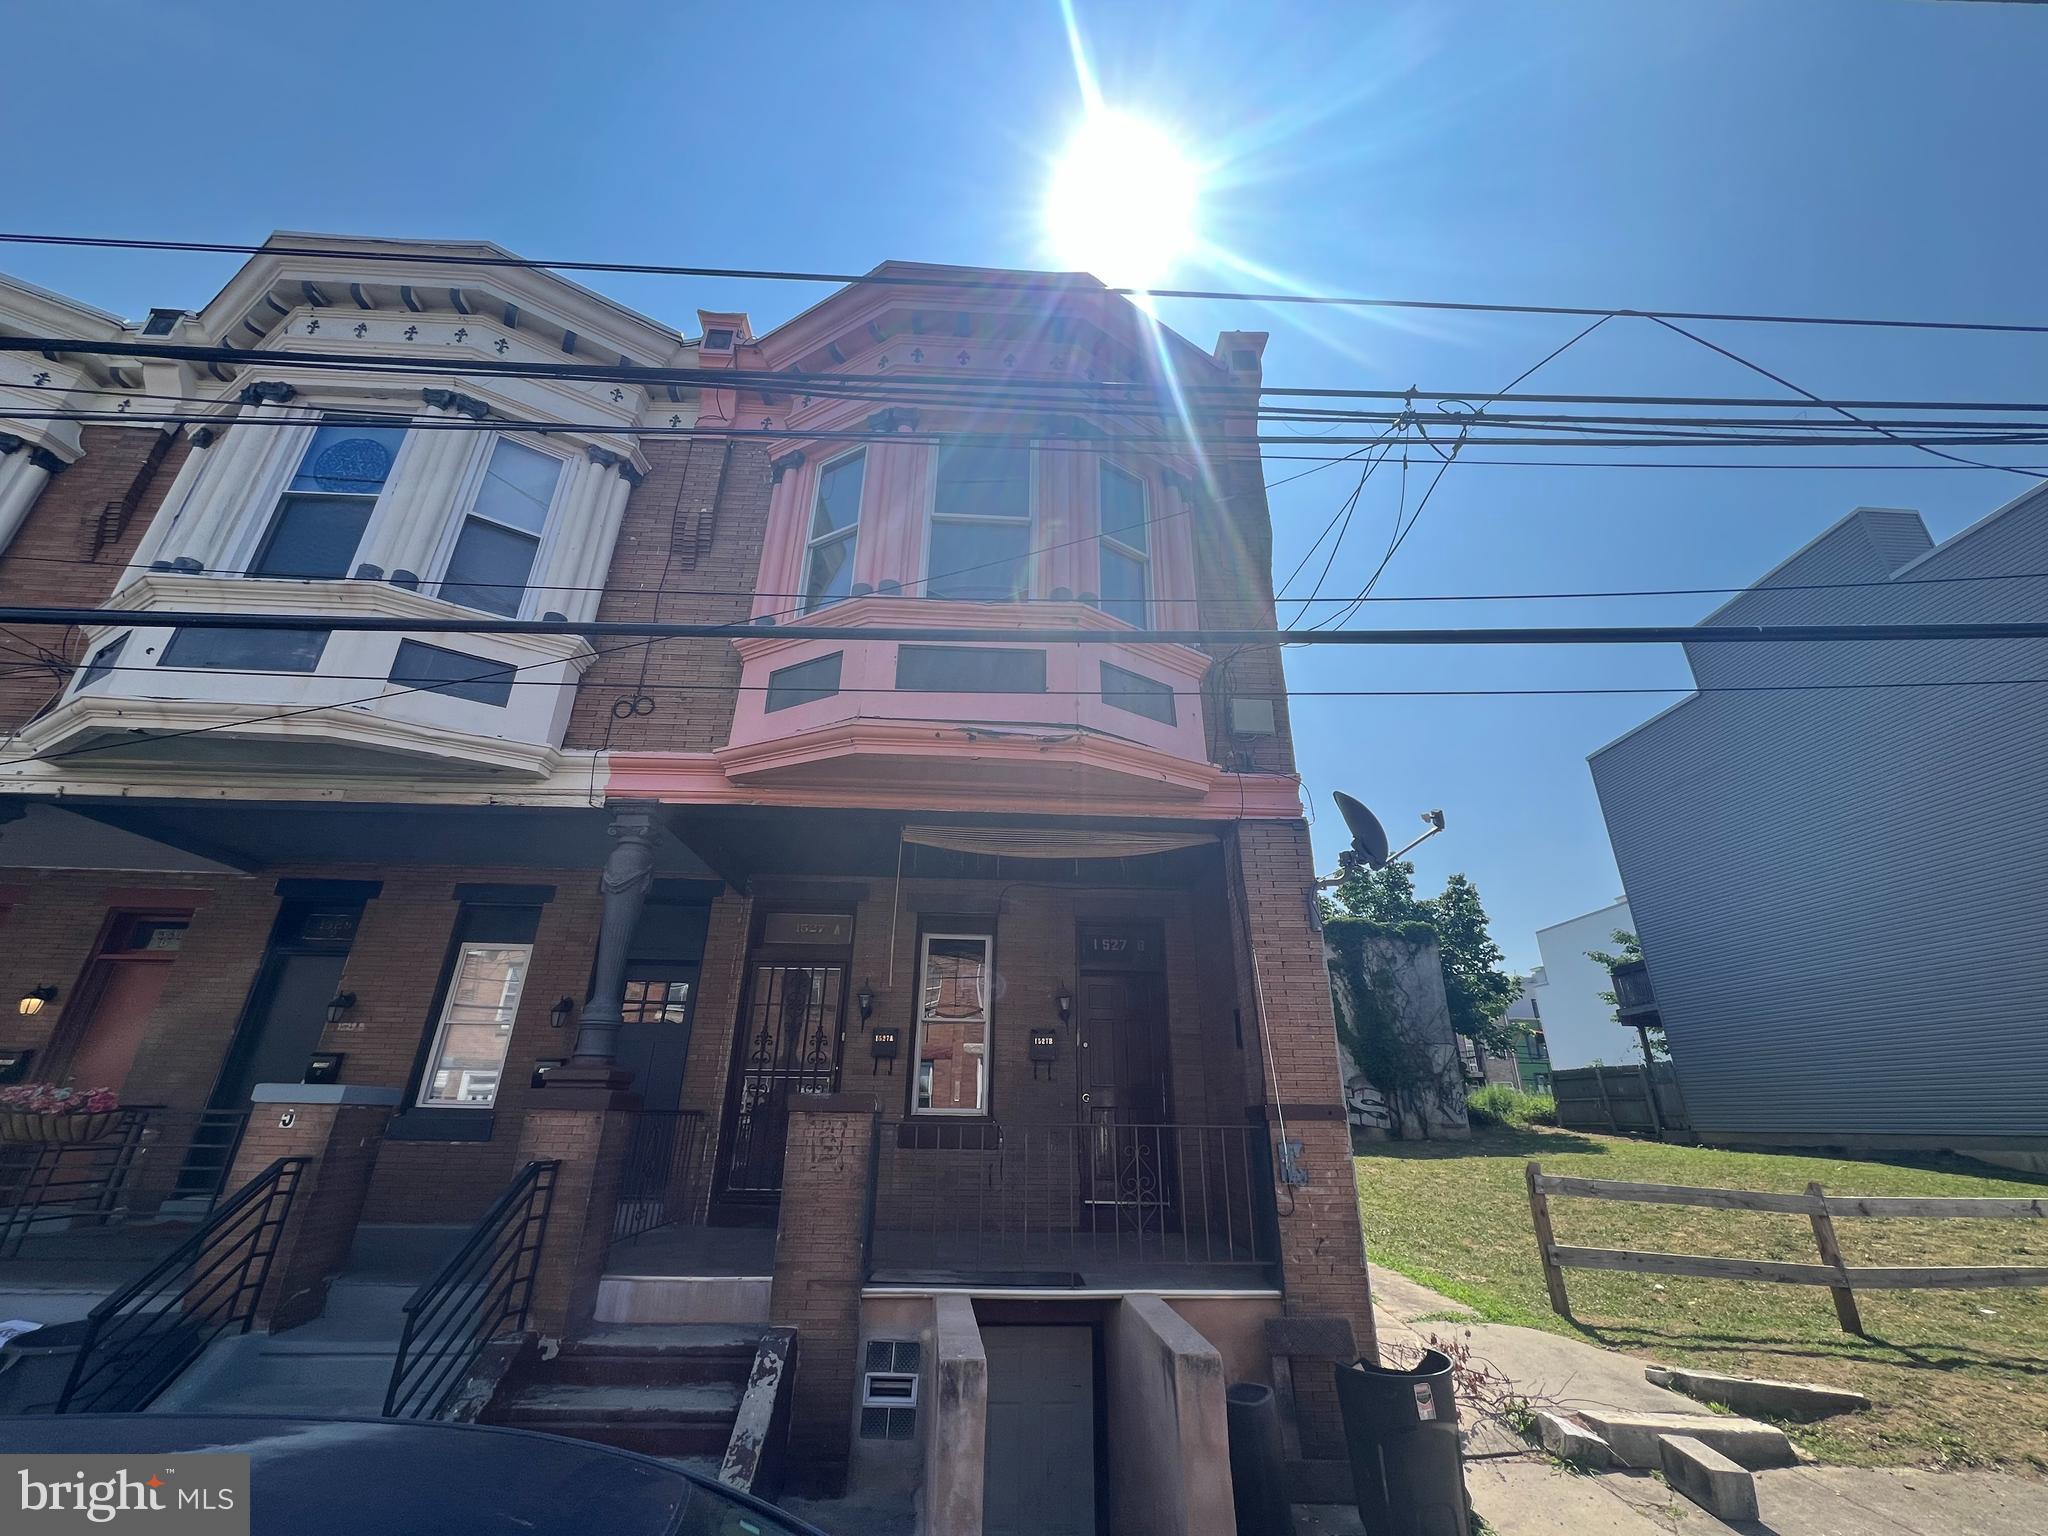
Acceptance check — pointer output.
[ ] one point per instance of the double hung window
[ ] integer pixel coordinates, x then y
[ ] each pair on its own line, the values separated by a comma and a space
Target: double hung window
835, 532
500, 535
320, 518
980, 547
956, 976
1126, 557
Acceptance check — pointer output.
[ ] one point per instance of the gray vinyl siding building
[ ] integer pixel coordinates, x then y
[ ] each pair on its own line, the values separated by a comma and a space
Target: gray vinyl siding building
1842, 892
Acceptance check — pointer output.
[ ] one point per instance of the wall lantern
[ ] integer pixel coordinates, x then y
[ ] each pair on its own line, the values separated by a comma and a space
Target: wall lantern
33, 999
1065, 1002
338, 1008
882, 1045
865, 997
563, 1011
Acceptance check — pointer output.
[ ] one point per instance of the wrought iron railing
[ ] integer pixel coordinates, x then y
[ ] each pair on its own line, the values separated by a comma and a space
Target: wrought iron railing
483, 1292
1073, 1204
150, 1159
139, 1339
662, 1182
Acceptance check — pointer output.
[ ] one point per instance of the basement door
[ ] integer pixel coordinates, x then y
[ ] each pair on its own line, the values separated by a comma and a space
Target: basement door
1039, 1477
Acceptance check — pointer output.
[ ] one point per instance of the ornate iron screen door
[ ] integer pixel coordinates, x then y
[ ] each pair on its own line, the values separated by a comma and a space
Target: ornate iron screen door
790, 1046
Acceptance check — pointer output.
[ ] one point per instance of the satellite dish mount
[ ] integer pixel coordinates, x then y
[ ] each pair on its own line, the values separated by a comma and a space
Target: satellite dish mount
1369, 839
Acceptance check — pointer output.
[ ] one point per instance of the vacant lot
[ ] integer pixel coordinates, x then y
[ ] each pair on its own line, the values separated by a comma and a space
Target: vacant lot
1959, 1378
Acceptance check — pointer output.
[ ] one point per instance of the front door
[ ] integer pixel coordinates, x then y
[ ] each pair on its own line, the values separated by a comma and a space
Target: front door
1039, 1471
120, 990
791, 1028
1125, 1107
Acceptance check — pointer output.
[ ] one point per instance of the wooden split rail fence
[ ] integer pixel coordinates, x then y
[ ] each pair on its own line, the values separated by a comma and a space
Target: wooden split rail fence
1842, 1279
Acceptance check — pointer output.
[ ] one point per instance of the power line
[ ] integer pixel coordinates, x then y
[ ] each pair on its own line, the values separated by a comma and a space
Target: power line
1640, 634
1023, 283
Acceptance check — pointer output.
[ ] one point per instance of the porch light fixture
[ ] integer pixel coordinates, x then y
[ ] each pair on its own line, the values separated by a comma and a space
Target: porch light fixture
562, 1012
339, 1005
865, 997
33, 999
1065, 1003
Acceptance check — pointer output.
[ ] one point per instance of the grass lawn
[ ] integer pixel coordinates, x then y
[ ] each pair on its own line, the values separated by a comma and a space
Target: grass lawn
1958, 1378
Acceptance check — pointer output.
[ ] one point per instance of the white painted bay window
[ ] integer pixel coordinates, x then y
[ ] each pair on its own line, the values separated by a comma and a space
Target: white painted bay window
956, 976
500, 536
835, 532
319, 520
467, 1059
1126, 554
980, 545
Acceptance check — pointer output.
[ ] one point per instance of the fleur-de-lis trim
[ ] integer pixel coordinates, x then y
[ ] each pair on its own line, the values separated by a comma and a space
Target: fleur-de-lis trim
412, 333
502, 345
618, 395
312, 327
462, 333
362, 329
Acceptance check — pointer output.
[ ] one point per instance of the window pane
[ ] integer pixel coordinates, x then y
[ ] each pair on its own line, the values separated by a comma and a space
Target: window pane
489, 567
980, 562
830, 576
803, 683
476, 1025
103, 662
952, 1032
969, 669
519, 482
1147, 696
348, 460
838, 496
1123, 507
313, 536
435, 670
246, 650
1123, 587
979, 481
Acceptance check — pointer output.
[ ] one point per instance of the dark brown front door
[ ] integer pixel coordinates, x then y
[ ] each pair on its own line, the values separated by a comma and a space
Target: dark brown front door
1125, 1104
789, 1043
118, 994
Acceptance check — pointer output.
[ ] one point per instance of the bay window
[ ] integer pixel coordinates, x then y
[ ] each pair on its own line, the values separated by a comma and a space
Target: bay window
956, 977
500, 535
319, 520
835, 532
467, 1058
980, 548
1126, 559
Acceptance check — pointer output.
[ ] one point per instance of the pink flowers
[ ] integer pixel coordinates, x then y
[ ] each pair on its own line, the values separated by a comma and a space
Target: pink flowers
49, 1099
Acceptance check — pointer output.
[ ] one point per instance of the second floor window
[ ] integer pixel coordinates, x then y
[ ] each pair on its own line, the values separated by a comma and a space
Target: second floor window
1126, 553
500, 536
981, 525
321, 516
835, 531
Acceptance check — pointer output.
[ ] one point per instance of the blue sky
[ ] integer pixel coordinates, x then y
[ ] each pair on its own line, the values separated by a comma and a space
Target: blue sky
1864, 157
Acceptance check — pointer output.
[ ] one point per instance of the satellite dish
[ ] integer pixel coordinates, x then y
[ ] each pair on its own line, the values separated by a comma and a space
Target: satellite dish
1368, 837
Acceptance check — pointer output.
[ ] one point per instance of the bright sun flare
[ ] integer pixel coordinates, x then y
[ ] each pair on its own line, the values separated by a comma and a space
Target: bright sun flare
1123, 202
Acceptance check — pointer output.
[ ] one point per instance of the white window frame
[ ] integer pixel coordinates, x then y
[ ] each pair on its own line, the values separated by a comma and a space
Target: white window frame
1105, 542
278, 487
424, 1098
933, 517
465, 508
987, 941
850, 534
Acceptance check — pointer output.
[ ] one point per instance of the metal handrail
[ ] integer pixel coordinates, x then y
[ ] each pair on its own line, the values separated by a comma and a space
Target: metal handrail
484, 1287
138, 1339
64, 1183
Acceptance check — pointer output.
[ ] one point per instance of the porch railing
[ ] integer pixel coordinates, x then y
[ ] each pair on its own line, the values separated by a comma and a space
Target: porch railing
483, 1292
667, 1166
1073, 1205
138, 1339
154, 1161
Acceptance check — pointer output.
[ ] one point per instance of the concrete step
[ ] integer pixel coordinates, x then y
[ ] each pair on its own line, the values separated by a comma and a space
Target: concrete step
688, 1403
666, 1339
683, 1299
251, 1374
1633, 1437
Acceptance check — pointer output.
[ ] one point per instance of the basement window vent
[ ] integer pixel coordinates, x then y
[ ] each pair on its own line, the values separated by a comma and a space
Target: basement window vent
888, 1389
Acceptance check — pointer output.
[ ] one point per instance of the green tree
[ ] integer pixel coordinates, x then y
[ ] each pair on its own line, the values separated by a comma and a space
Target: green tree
1476, 984
1627, 947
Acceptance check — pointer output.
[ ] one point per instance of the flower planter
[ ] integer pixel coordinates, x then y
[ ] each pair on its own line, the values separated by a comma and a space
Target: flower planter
19, 1128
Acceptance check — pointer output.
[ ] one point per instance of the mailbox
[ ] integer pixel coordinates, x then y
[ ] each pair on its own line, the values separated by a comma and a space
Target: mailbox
325, 1066
541, 1069
883, 1044
14, 1065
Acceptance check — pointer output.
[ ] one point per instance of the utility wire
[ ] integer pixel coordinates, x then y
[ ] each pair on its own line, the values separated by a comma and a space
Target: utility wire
1020, 283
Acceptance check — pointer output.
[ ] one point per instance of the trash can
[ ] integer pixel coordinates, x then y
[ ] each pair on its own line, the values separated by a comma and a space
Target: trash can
1401, 1430
35, 1365
1257, 1480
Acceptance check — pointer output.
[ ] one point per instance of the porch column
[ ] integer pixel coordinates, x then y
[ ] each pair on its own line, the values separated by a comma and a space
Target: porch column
24, 471
1322, 1248
628, 874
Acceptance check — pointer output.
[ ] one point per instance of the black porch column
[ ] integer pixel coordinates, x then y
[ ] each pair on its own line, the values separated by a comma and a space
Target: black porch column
628, 873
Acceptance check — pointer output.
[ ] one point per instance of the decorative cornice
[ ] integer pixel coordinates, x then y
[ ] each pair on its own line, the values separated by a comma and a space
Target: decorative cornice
777, 468
47, 461
9, 442
897, 418
456, 401
203, 437
266, 392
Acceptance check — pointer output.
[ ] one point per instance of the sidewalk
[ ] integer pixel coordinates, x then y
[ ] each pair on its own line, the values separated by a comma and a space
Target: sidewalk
1520, 1492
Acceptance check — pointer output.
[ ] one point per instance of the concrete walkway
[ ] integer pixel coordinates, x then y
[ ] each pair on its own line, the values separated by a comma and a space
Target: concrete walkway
1521, 1493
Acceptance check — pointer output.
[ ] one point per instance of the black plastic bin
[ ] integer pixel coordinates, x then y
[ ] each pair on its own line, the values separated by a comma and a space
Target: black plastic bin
1401, 1430
35, 1365
1257, 1477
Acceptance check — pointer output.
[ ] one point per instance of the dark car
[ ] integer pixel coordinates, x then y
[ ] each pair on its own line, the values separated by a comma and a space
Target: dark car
349, 1477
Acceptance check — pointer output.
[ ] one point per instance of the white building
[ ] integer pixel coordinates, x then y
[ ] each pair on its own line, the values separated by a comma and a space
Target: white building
1578, 1022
